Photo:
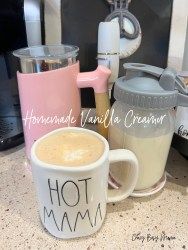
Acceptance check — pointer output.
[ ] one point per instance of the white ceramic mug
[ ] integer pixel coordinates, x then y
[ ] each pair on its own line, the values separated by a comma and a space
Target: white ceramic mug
72, 200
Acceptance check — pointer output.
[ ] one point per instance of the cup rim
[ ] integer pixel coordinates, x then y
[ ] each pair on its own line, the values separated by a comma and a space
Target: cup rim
81, 168
25, 53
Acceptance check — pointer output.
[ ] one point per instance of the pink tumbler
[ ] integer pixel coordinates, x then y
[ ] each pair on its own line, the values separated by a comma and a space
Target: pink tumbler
49, 92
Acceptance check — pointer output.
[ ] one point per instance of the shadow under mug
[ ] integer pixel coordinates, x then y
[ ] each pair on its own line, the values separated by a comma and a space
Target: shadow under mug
72, 200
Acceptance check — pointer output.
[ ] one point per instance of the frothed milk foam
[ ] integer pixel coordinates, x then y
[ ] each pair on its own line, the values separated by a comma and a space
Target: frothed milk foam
70, 148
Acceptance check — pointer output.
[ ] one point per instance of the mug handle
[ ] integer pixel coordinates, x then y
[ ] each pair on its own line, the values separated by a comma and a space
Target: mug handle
120, 192
98, 80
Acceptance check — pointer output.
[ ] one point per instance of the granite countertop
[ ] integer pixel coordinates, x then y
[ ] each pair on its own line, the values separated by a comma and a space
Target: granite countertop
156, 222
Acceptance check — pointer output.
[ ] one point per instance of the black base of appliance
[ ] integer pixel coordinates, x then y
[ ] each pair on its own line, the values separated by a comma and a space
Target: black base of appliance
11, 132
181, 145
13, 36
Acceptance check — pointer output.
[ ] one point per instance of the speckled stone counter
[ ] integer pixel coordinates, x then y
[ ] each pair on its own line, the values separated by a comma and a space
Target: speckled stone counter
156, 222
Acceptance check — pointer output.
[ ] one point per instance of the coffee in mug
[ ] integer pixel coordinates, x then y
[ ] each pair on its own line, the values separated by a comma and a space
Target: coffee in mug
70, 169
70, 148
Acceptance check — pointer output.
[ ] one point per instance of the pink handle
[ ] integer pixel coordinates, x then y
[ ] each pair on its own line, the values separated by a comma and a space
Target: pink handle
97, 79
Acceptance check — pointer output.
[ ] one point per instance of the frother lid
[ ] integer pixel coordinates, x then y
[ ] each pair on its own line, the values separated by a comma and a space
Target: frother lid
150, 87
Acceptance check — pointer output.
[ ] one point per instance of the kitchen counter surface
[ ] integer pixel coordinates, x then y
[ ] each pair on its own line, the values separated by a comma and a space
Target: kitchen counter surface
156, 222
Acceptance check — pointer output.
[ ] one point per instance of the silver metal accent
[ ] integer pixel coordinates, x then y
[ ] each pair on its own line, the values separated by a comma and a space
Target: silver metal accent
108, 54
36, 66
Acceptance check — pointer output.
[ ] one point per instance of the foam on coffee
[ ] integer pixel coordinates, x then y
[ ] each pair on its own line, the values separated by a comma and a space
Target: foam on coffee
70, 148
